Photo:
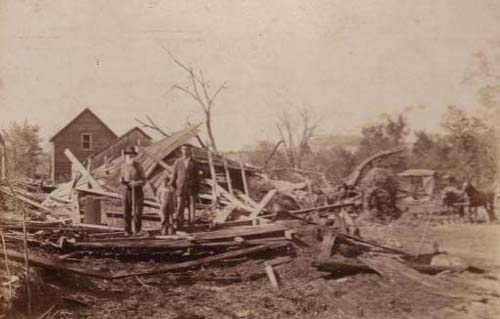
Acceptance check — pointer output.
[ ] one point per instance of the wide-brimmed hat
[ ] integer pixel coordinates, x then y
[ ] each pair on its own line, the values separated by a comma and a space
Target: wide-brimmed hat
130, 150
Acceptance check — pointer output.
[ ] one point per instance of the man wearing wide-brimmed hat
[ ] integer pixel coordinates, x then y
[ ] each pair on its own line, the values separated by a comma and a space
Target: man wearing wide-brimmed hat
132, 179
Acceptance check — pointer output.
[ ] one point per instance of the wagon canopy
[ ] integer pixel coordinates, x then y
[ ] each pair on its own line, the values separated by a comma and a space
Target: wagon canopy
418, 181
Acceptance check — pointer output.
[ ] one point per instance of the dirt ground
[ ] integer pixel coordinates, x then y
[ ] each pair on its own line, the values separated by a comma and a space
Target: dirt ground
240, 288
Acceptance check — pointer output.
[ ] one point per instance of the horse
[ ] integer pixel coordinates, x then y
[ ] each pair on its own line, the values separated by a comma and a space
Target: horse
476, 198
454, 201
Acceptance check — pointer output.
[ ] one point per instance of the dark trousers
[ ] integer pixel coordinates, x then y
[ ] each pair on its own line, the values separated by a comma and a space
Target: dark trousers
133, 204
182, 202
167, 211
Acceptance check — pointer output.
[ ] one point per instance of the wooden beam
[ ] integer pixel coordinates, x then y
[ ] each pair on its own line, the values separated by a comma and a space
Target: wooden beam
214, 178
336, 264
157, 161
147, 203
3, 156
249, 201
228, 178
241, 231
244, 179
24, 199
57, 265
327, 245
79, 166
222, 214
201, 261
235, 201
271, 276
263, 203
314, 209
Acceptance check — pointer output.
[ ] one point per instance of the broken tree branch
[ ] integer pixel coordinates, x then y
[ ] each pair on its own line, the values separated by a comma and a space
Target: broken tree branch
152, 125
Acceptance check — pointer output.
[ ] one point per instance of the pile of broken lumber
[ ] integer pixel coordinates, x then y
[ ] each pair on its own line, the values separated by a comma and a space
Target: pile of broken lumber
341, 253
65, 243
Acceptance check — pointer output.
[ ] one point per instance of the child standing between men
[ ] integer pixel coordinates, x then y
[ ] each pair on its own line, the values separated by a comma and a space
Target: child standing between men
165, 196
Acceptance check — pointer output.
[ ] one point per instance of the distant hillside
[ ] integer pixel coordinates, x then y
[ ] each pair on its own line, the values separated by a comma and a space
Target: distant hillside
328, 141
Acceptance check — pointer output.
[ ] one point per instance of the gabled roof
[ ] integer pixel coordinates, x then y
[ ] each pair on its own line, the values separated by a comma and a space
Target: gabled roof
86, 110
120, 138
136, 128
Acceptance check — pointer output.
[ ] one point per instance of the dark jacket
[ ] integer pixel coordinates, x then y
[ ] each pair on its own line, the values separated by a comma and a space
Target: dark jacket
185, 178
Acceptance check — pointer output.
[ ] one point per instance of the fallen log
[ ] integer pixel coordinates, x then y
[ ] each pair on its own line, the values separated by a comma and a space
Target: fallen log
199, 262
391, 268
341, 264
353, 179
57, 265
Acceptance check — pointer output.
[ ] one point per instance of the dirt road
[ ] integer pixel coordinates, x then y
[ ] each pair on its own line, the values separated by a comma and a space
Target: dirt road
478, 244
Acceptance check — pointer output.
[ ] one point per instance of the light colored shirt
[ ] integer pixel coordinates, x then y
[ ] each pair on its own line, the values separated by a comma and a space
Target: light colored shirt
132, 172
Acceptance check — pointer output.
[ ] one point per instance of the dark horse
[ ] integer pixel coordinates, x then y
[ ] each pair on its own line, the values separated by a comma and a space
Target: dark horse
476, 198
454, 201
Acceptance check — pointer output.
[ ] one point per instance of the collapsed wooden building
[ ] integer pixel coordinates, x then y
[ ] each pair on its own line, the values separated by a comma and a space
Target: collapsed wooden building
223, 182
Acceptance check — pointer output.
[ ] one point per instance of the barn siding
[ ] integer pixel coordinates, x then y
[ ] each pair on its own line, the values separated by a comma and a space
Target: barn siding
70, 138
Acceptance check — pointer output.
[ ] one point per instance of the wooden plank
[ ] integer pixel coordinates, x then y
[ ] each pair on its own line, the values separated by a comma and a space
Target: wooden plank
157, 161
148, 203
263, 203
272, 276
244, 179
57, 265
167, 244
242, 231
231, 198
200, 262
228, 178
248, 201
214, 178
79, 166
241, 222
24, 199
327, 245
222, 214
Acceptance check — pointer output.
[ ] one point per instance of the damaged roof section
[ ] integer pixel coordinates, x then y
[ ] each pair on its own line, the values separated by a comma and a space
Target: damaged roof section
157, 160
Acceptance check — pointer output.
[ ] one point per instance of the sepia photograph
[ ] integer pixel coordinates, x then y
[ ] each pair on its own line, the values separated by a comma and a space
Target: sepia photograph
249, 159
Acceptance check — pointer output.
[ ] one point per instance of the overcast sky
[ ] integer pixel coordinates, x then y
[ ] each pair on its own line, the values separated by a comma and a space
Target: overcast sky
348, 60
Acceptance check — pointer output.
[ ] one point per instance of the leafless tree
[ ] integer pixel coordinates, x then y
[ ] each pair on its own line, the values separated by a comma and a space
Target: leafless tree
152, 125
296, 133
199, 89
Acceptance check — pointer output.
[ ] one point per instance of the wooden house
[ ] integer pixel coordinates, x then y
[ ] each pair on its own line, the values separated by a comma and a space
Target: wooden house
85, 135
134, 137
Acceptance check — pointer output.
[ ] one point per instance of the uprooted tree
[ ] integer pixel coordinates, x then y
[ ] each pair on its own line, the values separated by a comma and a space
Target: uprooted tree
199, 89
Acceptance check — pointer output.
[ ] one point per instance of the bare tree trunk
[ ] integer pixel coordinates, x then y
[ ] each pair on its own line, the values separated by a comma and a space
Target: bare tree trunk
275, 149
208, 124
199, 90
